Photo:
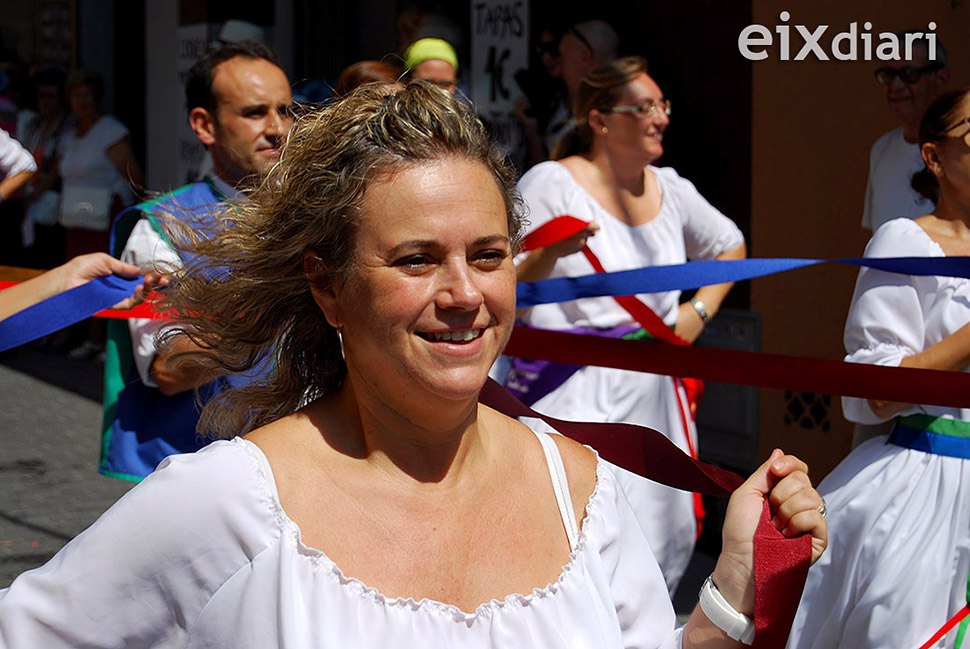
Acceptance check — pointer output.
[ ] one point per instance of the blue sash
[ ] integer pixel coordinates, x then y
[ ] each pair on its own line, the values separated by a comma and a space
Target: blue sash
141, 426
936, 435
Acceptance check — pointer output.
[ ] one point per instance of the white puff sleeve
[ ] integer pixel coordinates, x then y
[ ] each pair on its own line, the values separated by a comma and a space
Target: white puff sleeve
142, 573
886, 316
637, 587
707, 232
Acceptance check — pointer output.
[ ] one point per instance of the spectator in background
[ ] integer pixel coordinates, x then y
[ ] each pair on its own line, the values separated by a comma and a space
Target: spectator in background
910, 87
584, 47
97, 169
44, 133
542, 110
357, 74
434, 61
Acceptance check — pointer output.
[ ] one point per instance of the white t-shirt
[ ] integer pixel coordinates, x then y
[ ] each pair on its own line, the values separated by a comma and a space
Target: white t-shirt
85, 161
202, 554
889, 194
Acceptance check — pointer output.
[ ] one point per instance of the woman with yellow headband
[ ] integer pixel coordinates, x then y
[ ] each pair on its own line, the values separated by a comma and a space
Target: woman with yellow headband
433, 60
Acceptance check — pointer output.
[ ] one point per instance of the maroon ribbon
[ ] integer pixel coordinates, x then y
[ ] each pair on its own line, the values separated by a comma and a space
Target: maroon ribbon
781, 564
759, 369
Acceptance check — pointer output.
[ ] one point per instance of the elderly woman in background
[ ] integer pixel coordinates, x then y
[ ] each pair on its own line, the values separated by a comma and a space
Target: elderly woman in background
98, 169
372, 501
900, 565
641, 215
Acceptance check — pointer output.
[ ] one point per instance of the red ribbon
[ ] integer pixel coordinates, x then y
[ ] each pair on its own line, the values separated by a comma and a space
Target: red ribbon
952, 622
563, 227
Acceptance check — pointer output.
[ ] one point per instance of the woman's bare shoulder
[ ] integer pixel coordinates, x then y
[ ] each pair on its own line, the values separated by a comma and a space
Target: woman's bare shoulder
579, 461
577, 165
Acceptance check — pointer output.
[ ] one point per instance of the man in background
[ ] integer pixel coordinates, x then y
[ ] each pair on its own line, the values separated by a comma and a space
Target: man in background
910, 87
240, 108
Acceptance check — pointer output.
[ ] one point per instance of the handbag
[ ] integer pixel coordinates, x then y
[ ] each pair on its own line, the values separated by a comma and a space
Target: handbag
85, 207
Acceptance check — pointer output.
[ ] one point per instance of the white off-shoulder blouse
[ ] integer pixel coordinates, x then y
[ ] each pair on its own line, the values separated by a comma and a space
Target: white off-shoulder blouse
893, 316
201, 554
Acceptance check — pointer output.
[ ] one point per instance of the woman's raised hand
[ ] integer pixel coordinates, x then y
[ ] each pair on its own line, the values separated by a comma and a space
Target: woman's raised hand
796, 508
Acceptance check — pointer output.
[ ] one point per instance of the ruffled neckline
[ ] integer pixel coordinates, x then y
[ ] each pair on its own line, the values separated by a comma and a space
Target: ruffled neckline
369, 593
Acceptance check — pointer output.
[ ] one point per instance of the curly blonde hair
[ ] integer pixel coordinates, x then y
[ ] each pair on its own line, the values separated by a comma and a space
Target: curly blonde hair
245, 297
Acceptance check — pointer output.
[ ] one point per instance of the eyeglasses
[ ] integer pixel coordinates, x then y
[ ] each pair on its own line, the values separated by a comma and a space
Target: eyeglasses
646, 110
579, 35
965, 120
908, 74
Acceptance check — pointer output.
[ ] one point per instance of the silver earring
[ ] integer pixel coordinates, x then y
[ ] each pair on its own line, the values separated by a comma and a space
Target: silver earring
340, 339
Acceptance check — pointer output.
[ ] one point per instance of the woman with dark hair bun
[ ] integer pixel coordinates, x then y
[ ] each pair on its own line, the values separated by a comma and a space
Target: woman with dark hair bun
641, 215
899, 506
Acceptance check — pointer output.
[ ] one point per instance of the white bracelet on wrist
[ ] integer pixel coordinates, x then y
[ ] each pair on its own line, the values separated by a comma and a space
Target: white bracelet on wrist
736, 625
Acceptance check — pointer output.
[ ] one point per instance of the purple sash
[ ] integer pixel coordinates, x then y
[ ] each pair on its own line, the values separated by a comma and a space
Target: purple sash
530, 380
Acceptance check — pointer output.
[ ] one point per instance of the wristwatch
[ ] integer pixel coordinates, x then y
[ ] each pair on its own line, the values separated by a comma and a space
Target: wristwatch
701, 311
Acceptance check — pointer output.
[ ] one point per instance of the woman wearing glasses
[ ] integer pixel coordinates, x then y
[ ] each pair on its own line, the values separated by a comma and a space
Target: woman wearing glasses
899, 507
641, 215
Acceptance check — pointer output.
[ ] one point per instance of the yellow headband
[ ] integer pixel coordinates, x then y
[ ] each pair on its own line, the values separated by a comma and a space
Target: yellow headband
427, 49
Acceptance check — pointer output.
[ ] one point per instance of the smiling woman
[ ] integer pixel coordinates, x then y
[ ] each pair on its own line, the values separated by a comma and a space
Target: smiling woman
372, 501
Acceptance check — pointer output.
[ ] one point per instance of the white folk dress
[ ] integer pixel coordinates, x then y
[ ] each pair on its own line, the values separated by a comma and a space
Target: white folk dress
201, 554
687, 227
899, 519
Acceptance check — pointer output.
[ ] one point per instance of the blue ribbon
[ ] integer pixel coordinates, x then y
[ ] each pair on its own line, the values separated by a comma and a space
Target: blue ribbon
83, 302
695, 274
65, 309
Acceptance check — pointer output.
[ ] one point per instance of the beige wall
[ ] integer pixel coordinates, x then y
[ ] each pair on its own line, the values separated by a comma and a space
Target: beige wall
813, 123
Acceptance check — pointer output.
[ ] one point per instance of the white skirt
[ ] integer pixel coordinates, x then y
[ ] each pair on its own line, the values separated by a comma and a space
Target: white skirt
899, 551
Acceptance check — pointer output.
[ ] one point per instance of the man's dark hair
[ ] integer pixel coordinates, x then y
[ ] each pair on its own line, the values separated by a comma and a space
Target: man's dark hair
198, 84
